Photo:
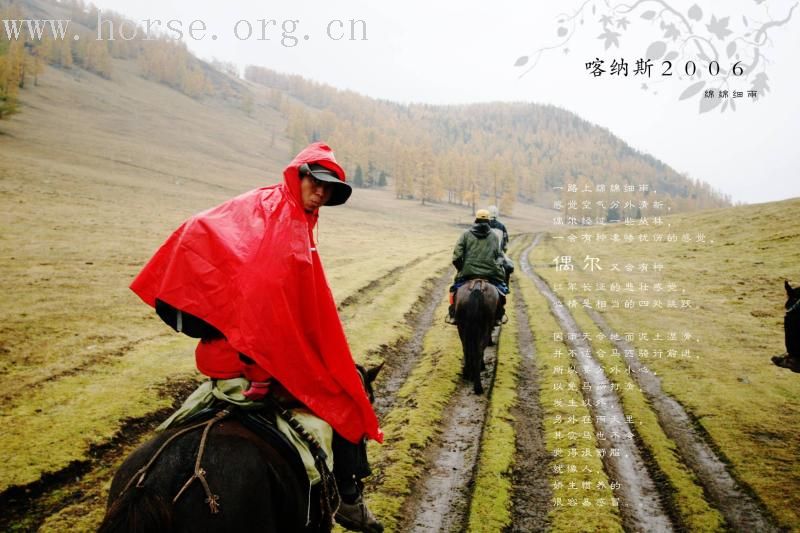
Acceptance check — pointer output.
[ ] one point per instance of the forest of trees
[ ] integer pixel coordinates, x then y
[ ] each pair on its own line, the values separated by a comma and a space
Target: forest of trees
472, 154
22, 60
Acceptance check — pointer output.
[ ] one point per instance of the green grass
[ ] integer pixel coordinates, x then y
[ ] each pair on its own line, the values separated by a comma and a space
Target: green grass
381, 320
55, 423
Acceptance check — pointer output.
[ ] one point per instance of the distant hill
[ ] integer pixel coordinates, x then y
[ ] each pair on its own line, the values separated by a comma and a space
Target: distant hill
500, 153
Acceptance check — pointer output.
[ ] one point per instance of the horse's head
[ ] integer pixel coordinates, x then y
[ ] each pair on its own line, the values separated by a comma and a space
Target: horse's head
368, 375
792, 297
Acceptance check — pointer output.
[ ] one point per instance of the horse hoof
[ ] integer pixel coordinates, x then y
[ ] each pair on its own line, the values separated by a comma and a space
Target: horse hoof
786, 361
478, 389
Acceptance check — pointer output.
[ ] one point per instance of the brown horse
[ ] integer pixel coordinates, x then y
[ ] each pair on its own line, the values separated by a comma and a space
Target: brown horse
220, 475
475, 309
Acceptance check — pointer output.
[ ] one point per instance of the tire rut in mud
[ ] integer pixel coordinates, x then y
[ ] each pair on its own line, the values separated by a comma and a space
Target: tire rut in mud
400, 357
531, 494
98, 358
640, 500
741, 511
440, 501
364, 294
31, 503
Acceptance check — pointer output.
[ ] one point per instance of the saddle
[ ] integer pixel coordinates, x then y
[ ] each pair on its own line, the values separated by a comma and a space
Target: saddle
261, 423
300, 431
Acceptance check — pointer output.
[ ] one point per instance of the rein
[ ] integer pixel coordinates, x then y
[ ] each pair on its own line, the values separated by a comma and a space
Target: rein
794, 306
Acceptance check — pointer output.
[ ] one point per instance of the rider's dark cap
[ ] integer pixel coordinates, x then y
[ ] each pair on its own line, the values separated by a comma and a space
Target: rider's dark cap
341, 189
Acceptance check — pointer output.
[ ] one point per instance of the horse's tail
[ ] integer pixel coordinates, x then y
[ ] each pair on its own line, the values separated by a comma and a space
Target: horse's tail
138, 510
476, 316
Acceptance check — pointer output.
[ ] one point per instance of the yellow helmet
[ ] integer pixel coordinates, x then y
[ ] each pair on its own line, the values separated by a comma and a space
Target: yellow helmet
482, 214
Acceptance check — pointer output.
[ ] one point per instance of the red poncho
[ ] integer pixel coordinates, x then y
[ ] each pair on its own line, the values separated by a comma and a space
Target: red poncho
250, 268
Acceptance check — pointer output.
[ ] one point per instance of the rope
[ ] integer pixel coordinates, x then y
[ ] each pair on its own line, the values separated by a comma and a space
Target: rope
142, 472
329, 493
199, 473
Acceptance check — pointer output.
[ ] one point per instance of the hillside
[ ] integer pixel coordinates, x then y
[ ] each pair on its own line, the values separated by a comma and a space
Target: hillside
506, 151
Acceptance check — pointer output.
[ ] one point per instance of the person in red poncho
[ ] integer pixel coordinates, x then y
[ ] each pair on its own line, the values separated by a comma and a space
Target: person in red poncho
245, 276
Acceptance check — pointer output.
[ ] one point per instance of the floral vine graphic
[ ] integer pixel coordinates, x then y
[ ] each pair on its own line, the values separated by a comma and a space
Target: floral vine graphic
712, 50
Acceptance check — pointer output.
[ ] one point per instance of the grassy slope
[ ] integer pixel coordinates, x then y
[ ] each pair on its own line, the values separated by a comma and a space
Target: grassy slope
748, 406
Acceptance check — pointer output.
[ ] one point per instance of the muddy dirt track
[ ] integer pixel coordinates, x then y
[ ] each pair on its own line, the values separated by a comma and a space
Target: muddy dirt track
531, 490
442, 498
400, 357
640, 502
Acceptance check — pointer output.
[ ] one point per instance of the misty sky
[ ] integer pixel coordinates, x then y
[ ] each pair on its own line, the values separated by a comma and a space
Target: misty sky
446, 53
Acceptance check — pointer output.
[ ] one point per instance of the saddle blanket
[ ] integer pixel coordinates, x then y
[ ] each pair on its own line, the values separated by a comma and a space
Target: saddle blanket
231, 391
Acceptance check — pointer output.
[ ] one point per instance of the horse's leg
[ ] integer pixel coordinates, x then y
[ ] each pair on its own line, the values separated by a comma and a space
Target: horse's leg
487, 342
471, 319
462, 335
476, 359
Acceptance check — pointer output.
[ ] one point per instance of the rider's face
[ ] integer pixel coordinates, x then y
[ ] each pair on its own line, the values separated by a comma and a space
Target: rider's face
314, 192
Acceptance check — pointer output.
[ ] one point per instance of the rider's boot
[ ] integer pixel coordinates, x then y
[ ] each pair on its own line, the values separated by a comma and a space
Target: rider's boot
356, 516
451, 314
500, 314
350, 466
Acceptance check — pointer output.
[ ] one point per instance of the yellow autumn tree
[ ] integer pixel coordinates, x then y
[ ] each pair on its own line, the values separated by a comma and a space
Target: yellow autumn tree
98, 58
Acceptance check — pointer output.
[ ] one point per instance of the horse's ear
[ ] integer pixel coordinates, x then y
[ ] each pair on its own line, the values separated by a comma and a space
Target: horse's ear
373, 372
788, 287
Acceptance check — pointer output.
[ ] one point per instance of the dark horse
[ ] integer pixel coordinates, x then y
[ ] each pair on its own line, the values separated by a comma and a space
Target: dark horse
475, 309
791, 330
218, 477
